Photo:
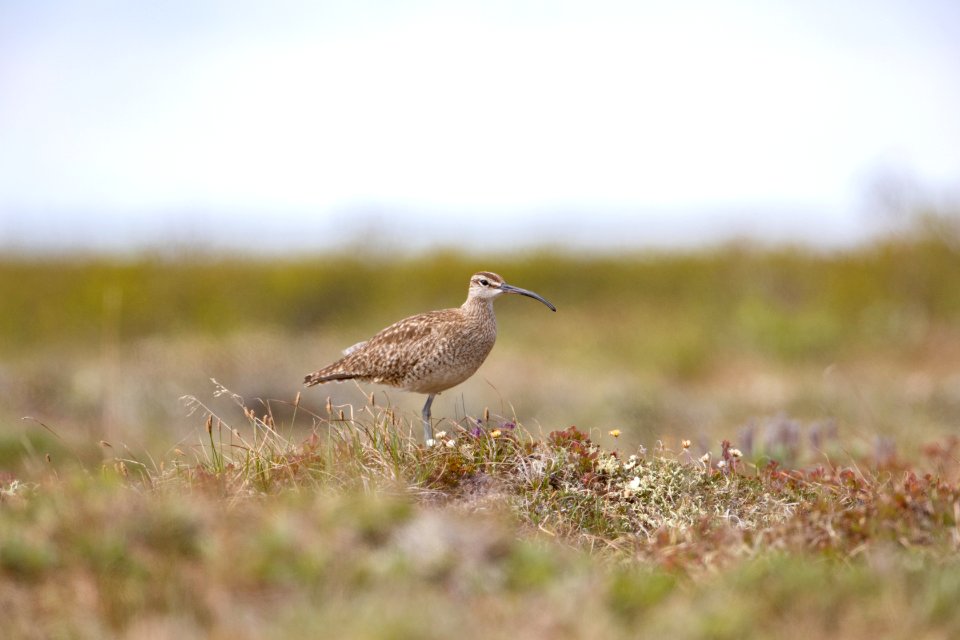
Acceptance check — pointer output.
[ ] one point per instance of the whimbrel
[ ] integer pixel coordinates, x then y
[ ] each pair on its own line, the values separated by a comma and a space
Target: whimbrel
430, 352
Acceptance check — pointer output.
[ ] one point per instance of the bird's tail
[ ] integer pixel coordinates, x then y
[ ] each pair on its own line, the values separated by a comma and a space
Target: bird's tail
327, 374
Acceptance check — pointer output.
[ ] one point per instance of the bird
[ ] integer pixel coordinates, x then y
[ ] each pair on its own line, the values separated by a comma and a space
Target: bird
430, 352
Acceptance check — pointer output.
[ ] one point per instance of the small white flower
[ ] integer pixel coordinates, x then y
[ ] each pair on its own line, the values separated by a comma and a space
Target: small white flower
441, 435
632, 458
607, 464
705, 458
721, 464
450, 443
634, 484
430, 442
736, 453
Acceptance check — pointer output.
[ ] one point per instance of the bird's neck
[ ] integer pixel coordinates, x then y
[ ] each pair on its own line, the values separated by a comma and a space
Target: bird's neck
479, 309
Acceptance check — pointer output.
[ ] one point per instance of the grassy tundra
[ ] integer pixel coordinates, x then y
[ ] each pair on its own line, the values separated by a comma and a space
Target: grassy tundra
142, 500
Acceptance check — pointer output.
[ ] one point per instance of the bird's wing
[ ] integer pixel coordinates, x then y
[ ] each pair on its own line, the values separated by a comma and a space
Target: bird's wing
393, 352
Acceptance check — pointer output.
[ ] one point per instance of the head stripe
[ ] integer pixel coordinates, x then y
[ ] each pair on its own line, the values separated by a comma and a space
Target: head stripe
489, 275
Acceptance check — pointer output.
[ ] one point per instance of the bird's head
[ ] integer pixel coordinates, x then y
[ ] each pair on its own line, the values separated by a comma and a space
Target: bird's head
487, 285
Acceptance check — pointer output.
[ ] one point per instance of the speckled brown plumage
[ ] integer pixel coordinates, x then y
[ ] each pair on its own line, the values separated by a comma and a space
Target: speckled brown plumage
426, 353
430, 352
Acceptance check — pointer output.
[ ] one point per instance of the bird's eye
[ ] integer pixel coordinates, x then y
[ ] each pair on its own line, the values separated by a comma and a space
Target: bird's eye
485, 283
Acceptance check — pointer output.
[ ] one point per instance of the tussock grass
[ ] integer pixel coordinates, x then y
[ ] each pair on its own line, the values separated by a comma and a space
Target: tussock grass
563, 484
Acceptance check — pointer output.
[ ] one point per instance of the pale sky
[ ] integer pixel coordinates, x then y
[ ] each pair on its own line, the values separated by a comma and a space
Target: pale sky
310, 123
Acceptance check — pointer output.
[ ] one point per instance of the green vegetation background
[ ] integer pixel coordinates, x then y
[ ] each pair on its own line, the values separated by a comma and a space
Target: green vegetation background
784, 304
685, 344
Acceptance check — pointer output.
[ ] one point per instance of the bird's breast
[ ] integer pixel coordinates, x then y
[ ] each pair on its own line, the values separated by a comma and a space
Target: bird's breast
456, 355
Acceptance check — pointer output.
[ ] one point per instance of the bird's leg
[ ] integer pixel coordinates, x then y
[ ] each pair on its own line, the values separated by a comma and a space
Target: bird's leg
427, 427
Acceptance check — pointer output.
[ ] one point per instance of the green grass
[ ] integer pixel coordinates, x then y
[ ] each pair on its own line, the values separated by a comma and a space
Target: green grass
787, 304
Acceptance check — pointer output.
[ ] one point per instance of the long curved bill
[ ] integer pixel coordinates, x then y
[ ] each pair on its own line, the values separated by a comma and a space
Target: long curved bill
506, 288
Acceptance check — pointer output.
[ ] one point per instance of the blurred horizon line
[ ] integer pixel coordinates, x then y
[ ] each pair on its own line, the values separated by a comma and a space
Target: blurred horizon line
394, 230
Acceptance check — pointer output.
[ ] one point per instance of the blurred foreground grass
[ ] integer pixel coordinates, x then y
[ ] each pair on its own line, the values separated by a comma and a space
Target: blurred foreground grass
358, 531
